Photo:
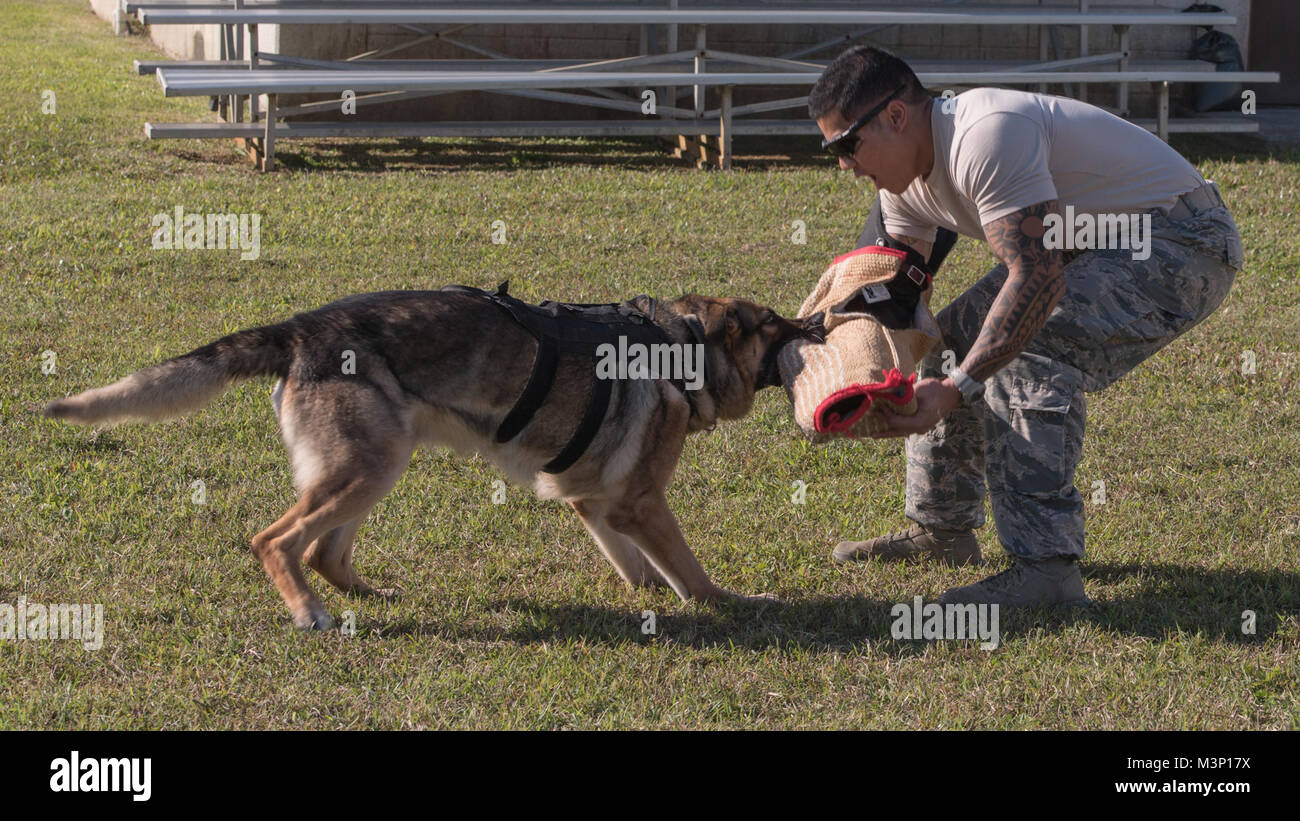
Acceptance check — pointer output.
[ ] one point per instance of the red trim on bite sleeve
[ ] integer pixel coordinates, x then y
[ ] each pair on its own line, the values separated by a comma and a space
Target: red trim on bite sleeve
827, 421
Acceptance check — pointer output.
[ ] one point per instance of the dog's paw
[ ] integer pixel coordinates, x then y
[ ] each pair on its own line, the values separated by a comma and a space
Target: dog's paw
651, 580
314, 619
364, 589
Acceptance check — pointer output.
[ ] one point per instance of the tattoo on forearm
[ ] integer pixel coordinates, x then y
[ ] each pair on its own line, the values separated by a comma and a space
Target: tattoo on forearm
1034, 285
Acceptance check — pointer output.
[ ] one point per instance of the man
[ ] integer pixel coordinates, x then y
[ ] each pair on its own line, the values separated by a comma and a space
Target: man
1041, 328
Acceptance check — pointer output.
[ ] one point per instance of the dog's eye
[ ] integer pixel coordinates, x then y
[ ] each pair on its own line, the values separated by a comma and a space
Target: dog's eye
767, 318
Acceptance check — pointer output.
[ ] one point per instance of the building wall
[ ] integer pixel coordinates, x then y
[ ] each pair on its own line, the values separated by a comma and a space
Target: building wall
190, 42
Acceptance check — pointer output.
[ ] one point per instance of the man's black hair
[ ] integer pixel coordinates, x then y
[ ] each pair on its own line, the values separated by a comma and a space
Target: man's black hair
859, 77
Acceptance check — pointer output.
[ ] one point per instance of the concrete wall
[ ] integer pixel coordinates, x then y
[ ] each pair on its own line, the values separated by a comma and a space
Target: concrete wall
190, 42
601, 42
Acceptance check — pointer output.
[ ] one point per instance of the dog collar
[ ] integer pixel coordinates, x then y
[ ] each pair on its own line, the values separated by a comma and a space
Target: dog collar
648, 306
696, 328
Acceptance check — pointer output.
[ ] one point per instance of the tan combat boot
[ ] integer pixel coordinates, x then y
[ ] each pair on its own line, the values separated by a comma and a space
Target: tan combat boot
952, 547
1049, 583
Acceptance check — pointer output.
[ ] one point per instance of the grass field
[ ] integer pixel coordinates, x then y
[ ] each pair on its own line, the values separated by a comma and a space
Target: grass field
510, 618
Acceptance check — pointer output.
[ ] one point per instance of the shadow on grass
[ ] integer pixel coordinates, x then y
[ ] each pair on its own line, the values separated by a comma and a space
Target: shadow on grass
641, 153
1233, 148
1212, 602
1169, 598
520, 154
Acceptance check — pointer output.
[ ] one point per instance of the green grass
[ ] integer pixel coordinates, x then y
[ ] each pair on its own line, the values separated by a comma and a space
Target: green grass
510, 619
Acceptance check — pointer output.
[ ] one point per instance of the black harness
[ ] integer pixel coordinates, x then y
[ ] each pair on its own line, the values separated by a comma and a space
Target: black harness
874, 233
894, 302
914, 276
561, 327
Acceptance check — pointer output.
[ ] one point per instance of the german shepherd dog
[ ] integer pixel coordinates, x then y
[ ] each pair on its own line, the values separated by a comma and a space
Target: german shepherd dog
445, 368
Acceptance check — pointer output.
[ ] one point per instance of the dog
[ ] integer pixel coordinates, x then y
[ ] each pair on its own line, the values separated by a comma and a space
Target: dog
479, 373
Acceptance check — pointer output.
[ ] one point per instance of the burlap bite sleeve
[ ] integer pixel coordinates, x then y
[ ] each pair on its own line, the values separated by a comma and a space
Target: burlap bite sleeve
873, 342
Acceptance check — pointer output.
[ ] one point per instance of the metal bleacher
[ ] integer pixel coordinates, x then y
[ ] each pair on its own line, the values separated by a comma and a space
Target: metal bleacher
259, 79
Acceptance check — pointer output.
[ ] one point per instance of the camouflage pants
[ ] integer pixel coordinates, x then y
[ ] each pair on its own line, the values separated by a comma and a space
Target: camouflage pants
1023, 439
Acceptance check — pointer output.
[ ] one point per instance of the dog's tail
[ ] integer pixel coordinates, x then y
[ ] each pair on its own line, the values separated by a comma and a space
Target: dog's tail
184, 384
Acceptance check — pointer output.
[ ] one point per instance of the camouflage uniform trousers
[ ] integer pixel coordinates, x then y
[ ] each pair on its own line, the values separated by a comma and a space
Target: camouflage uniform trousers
1023, 438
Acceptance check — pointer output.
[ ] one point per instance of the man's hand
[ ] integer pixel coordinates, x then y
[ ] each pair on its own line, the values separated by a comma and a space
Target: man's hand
934, 399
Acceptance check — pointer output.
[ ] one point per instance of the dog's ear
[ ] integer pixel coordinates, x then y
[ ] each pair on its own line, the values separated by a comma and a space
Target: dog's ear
743, 318
702, 310
731, 320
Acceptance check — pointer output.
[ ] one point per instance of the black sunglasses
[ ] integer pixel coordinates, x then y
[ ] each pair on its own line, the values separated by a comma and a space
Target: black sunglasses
845, 143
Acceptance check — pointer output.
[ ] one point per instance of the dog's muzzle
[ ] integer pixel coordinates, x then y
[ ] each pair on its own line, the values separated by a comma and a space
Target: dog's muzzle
814, 327
810, 328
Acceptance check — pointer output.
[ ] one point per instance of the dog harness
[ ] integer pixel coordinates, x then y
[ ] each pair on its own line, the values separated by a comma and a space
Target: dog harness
573, 328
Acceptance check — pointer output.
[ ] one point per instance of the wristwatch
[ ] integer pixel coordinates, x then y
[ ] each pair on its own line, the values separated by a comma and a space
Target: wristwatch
970, 389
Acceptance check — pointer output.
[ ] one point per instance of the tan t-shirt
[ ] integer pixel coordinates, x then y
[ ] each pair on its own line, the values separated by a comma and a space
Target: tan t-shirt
999, 150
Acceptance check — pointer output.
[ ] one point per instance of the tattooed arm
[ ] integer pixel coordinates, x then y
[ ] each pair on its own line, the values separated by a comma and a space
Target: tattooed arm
1034, 284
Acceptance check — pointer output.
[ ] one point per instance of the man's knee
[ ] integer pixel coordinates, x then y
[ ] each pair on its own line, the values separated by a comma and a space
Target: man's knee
1033, 428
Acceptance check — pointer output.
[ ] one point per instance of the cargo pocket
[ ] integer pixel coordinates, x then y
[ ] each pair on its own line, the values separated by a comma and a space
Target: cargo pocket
1026, 434
1235, 255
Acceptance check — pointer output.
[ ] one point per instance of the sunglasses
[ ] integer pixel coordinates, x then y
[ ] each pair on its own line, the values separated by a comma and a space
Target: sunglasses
845, 143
